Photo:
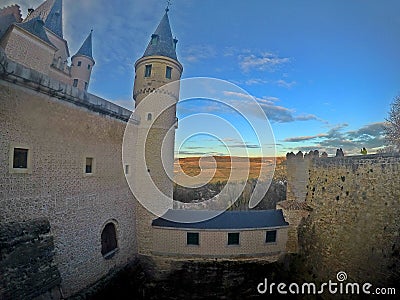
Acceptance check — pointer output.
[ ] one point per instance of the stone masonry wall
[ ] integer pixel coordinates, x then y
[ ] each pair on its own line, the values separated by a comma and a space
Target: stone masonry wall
26, 261
354, 222
60, 135
28, 51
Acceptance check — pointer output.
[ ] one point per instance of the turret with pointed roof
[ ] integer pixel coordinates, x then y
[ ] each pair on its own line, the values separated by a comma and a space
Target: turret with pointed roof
160, 55
156, 93
162, 43
86, 48
82, 64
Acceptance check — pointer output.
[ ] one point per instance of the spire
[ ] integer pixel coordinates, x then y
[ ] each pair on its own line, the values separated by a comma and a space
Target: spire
86, 48
162, 43
54, 19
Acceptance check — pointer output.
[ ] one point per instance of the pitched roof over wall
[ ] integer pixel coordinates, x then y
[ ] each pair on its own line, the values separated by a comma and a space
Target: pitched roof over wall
50, 12
36, 27
226, 220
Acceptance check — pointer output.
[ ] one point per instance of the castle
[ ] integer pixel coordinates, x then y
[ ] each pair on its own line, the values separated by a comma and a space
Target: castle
72, 210
64, 187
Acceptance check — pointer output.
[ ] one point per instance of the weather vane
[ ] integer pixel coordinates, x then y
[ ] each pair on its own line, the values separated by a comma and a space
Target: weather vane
168, 5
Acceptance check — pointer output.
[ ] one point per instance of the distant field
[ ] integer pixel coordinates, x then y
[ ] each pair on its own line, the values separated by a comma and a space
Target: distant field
220, 168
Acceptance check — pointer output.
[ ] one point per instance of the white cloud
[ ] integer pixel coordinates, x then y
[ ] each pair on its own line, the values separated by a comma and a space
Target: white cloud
285, 84
370, 136
264, 62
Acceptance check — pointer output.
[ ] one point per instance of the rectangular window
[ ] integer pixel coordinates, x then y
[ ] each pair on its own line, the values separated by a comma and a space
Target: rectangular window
148, 71
193, 238
79, 63
86, 86
168, 73
270, 236
126, 169
88, 67
233, 238
89, 165
75, 84
20, 159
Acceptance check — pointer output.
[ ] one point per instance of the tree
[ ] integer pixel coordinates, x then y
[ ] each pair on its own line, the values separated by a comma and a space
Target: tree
392, 128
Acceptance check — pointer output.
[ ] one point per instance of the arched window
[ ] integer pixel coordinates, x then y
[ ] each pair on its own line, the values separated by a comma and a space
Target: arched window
149, 117
109, 241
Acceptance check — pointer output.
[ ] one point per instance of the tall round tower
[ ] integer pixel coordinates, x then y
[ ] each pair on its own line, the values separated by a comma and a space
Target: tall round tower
82, 64
156, 93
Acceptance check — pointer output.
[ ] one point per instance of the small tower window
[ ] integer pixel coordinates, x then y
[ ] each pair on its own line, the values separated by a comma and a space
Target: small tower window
79, 63
109, 243
149, 117
154, 39
86, 86
75, 84
168, 72
126, 169
147, 72
88, 67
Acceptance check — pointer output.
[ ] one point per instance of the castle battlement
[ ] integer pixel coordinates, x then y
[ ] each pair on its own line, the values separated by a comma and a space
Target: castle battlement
18, 74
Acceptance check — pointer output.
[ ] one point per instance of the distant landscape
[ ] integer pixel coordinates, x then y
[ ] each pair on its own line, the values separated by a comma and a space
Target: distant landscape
190, 166
200, 179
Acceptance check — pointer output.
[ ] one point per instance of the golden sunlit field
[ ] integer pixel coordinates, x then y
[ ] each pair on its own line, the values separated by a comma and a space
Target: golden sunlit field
196, 170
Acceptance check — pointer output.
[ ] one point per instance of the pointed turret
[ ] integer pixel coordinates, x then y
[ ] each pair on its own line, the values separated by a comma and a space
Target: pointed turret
156, 93
86, 48
162, 43
82, 64
54, 19
159, 65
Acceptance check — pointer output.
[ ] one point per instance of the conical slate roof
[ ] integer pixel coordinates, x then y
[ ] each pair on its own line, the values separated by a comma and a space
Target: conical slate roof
54, 19
162, 42
86, 48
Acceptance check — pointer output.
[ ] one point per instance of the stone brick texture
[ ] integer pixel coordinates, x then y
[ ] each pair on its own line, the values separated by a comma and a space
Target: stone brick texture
26, 263
214, 244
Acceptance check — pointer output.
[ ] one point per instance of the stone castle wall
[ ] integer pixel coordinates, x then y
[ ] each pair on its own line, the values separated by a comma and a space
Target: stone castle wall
28, 248
353, 225
61, 126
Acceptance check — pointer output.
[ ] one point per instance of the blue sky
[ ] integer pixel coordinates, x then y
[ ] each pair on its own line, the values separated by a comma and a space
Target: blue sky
325, 72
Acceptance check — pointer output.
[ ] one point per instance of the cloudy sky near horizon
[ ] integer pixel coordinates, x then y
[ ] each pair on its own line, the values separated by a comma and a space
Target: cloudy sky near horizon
324, 72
